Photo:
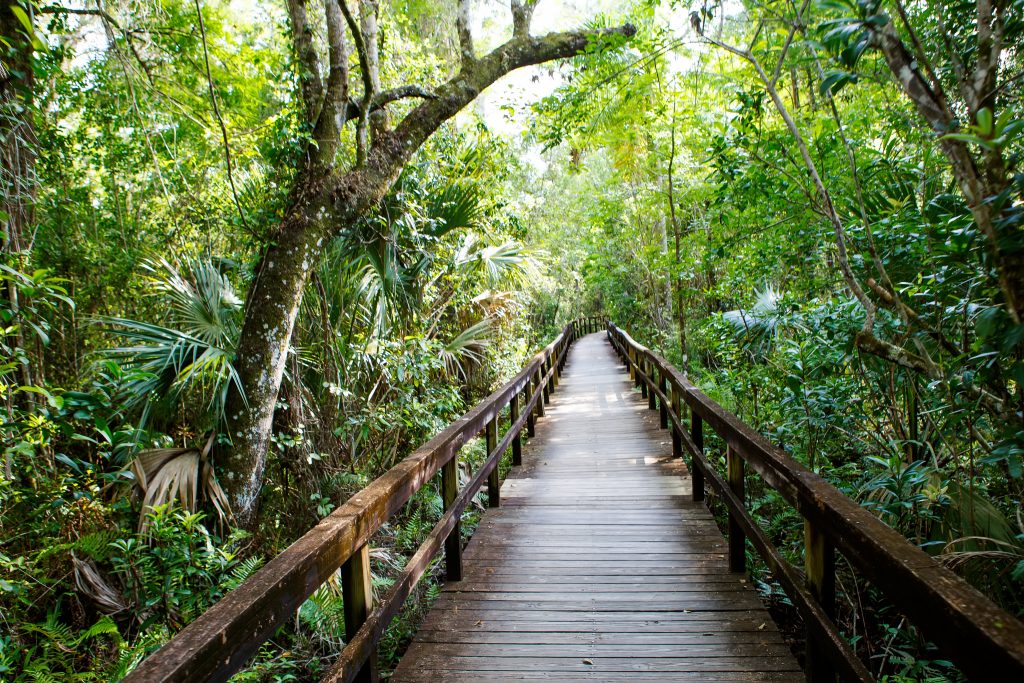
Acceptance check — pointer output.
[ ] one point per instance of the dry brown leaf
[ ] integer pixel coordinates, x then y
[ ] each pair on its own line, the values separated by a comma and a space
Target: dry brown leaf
90, 583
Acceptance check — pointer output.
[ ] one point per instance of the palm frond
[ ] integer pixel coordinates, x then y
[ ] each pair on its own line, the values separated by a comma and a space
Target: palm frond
193, 349
455, 207
177, 476
90, 583
762, 324
203, 301
466, 348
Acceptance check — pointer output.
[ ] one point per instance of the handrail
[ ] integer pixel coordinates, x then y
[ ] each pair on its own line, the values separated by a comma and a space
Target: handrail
984, 641
222, 639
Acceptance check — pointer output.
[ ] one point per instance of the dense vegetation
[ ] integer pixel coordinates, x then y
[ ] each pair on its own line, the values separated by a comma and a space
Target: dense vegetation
253, 249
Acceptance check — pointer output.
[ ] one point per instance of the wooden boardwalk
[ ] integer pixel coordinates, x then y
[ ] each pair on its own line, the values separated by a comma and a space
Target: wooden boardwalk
597, 566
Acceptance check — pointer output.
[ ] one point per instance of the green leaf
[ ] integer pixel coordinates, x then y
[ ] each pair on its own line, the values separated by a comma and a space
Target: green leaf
23, 18
984, 119
835, 81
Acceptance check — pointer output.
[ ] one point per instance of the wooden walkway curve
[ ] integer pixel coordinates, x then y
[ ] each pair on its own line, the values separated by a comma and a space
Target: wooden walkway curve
597, 565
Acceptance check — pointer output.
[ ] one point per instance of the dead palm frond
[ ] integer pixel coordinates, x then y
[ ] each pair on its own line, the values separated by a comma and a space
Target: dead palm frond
177, 476
90, 583
997, 551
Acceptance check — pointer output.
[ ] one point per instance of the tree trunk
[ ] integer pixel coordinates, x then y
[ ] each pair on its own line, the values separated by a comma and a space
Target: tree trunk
325, 203
978, 186
17, 160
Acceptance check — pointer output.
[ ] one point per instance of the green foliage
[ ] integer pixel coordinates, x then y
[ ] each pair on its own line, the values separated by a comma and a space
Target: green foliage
189, 357
656, 182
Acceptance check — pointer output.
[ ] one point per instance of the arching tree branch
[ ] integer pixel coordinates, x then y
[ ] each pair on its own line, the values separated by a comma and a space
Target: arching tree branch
325, 202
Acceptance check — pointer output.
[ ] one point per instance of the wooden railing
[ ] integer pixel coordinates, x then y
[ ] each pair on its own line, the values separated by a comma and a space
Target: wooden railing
222, 640
985, 642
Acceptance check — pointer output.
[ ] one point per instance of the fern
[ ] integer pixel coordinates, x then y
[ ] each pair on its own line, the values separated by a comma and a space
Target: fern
129, 656
95, 545
105, 626
243, 571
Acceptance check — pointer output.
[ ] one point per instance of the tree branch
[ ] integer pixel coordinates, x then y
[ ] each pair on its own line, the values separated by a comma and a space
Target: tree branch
797, 25
382, 99
826, 198
309, 76
522, 16
334, 109
368, 10
396, 147
364, 68
217, 115
111, 22
1009, 263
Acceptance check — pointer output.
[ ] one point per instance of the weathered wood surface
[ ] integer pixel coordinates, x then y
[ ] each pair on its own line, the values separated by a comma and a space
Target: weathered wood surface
598, 566
982, 640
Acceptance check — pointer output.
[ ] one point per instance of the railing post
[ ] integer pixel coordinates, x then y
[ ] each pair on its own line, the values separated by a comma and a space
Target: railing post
696, 473
494, 478
737, 539
527, 397
677, 438
517, 442
643, 374
357, 595
543, 391
551, 378
631, 362
652, 396
547, 382
556, 363
820, 567
663, 412
452, 544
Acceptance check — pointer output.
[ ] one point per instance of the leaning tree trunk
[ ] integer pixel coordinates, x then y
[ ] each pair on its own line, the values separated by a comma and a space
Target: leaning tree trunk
326, 203
17, 159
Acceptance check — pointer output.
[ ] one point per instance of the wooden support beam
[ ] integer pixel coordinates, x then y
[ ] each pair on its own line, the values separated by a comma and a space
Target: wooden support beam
453, 543
820, 569
642, 375
677, 438
737, 539
357, 595
538, 387
494, 478
517, 440
662, 406
530, 419
652, 396
697, 474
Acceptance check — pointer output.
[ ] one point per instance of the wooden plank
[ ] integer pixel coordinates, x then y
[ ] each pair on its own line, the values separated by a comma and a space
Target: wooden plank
595, 664
611, 638
444, 676
471, 617
223, 639
598, 553
984, 641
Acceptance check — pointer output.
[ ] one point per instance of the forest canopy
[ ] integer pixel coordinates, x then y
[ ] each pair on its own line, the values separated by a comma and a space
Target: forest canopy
254, 254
